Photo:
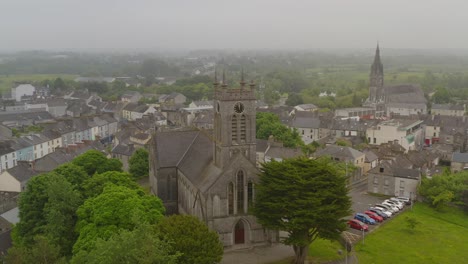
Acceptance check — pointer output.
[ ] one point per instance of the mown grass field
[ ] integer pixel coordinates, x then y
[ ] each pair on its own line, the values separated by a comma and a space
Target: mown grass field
7, 81
320, 251
441, 237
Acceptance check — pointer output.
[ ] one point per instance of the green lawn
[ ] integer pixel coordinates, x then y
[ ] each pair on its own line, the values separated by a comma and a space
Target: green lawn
320, 251
7, 81
441, 237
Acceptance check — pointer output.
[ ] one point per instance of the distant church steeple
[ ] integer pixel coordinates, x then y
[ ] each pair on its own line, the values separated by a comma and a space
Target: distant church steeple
376, 92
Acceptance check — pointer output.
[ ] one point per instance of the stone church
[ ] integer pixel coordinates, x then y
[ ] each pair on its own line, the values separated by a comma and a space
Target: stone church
393, 100
212, 174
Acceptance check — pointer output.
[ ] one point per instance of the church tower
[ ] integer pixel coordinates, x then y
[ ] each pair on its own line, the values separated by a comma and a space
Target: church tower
376, 90
234, 121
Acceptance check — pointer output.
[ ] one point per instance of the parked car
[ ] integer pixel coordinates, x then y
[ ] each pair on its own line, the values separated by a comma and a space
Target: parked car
391, 205
364, 218
382, 213
396, 203
374, 216
356, 224
405, 200
388, 208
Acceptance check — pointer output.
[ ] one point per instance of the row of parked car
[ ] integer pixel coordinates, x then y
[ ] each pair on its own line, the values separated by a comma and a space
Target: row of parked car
378, 213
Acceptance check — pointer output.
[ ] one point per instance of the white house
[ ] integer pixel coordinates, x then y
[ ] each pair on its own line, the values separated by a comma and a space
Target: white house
22, 90
408, 133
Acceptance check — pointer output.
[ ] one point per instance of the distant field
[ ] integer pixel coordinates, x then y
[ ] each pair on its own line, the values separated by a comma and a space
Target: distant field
7, 81
441, 237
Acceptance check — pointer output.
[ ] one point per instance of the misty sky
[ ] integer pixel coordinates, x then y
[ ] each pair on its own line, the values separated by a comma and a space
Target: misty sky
236, 24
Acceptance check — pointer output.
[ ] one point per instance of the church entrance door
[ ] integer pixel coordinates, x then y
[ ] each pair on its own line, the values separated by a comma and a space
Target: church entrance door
239, 233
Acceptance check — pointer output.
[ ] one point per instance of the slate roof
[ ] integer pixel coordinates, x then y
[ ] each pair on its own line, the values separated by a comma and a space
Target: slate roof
33, 115
12, 216
404, 93
122, 149
460, 157
406, 173
22, 172
262, 145
278, 152
197, 157
6, 147
339, 152
305, 121
370, 156
203, 103
448, 107
171, 146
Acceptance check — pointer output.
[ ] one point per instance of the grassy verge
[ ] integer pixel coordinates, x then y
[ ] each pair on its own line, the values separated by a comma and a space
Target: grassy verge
440, 237
320, 251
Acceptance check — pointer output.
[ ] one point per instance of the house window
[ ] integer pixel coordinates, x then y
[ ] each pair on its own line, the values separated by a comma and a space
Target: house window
250, 193
302, 131
231, 198
381, 170
376, 180
240, 192
375, 140
435, 134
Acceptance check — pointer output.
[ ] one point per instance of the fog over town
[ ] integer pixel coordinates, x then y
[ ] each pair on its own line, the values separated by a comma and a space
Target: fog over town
207, 24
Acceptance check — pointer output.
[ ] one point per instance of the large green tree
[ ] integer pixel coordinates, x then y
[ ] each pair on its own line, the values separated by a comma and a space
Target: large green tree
192, 238
141, 245
116, 208
73, 173
306, 198
94, 161
268, 124
95, 185
139, 164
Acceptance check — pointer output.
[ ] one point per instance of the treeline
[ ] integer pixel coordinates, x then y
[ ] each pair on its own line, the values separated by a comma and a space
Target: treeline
448, 188
89, 211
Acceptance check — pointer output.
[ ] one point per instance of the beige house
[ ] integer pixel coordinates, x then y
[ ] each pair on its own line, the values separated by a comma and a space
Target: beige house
408, 133
16, 178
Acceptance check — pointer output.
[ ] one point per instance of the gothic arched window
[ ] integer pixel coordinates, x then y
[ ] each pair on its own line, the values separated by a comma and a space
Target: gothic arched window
240, 192
250, 193
243, 133
234, 128
231, 198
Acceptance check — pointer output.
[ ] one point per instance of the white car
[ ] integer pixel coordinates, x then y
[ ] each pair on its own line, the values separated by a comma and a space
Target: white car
398, 201
395, 203
405, 200
392, 206
387, 207
383, 210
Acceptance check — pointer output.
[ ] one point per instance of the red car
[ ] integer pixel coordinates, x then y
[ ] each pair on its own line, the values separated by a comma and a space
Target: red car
356, 224
374, 216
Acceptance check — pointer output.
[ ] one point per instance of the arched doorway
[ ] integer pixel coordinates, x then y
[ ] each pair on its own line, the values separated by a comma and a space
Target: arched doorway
239, 233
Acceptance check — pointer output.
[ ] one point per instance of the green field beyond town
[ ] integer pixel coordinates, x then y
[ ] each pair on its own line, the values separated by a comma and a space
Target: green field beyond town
440, 237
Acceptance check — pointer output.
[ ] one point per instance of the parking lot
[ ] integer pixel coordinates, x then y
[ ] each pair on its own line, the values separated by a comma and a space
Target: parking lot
361, 202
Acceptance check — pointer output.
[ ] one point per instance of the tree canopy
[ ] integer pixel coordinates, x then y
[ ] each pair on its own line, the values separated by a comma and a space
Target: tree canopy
116, 208
192, 238
139, 164
268, 124
306, 198
93, 161
141, 245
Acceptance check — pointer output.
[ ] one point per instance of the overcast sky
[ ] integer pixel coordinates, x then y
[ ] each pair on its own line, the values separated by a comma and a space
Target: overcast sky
235, 24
